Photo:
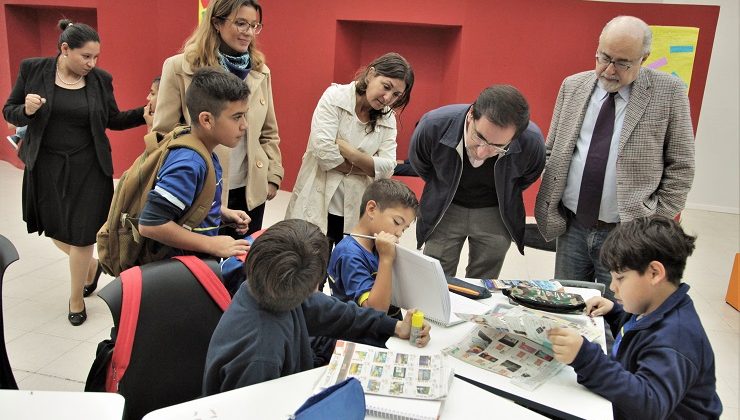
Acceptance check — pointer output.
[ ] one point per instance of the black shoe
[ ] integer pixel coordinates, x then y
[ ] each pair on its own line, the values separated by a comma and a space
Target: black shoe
88, 289
14, 140
77, 318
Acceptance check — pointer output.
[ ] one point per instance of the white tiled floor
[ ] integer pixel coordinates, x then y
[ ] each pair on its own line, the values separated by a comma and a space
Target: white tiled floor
47, 353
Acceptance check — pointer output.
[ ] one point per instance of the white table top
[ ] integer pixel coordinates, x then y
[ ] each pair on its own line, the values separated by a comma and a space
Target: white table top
279, 398
58, 405
562, 392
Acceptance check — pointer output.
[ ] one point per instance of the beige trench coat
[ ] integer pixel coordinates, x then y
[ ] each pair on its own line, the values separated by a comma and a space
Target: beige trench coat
333, 118
263, 161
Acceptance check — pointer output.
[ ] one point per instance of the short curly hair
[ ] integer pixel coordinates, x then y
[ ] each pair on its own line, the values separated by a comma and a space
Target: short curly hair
286, 263
634, 244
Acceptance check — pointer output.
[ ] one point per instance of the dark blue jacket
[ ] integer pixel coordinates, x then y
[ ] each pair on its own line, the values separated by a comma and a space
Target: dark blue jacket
664, 367
252, 345
433, 154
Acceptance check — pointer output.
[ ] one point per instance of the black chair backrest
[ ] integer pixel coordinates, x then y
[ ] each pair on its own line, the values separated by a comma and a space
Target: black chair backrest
176, 320
8, 255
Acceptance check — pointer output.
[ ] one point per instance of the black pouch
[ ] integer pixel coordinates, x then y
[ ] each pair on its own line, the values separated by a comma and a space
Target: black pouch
466, 289
546, 300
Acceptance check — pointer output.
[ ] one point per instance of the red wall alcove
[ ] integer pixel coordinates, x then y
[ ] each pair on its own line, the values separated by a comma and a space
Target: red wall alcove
456, 48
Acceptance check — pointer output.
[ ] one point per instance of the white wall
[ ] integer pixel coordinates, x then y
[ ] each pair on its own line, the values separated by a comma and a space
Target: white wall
717, 181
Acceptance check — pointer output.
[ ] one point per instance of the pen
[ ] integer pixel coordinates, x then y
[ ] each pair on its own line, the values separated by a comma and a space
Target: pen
357, 235
463, 290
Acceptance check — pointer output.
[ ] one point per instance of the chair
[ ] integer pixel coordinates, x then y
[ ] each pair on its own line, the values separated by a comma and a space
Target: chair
176, 320
8, 255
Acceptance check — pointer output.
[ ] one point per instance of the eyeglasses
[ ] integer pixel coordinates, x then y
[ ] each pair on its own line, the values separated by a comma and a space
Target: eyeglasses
480, 142
244, 26
618, 64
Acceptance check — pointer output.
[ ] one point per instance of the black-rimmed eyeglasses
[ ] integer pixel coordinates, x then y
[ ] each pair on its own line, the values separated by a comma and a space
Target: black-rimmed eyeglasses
605, 60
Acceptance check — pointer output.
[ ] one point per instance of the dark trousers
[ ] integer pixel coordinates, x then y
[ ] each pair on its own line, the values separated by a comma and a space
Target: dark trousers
334, 229
238, 201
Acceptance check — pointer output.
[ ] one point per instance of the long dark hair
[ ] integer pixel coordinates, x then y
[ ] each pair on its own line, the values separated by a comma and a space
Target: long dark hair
391, 65
75, 34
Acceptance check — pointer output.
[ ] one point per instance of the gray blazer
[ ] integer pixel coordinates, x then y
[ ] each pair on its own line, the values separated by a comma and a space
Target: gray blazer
655, 161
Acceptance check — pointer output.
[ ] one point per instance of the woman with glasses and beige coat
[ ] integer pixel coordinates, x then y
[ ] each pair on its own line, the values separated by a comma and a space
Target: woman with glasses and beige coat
225, 38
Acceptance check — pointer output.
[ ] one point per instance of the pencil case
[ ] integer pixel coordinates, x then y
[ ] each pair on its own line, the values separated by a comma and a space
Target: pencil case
545, 300
466, 289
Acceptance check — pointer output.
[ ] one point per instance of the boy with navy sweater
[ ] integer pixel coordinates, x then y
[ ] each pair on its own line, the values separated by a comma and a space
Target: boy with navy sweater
264, 334
217, 103
662, 365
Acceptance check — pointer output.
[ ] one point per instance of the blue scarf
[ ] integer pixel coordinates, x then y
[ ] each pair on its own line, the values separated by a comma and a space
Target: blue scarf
238, 65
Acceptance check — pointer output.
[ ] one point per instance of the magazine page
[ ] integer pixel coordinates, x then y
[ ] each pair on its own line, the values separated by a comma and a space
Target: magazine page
531, 323
385, 372
527, 363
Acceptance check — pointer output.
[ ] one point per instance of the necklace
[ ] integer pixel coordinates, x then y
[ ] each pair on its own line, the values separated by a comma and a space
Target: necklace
59, 75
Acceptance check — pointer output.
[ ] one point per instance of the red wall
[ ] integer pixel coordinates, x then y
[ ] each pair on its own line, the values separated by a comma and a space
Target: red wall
456, 48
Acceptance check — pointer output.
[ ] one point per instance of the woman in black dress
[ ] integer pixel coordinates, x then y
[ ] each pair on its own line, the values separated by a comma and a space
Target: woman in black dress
67, 104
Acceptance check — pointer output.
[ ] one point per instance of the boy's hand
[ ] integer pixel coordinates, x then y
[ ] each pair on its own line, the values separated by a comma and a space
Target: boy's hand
403, 329
385, 243
225, 246
148, 115
236, 216
598, 306
566, 343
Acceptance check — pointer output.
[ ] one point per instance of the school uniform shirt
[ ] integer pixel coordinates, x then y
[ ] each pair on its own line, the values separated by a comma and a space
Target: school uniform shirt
664, 366
352, 271
179, 181
252, 345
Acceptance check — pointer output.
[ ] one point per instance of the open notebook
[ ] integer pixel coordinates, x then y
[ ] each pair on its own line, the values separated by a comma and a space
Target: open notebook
419, 282
396, 385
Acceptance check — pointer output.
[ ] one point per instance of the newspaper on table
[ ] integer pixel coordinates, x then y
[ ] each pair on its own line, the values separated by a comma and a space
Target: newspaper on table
385, 372
512, 341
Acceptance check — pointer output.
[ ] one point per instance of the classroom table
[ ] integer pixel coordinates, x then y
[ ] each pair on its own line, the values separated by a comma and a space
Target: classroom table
60, 405
561, 396
279, 398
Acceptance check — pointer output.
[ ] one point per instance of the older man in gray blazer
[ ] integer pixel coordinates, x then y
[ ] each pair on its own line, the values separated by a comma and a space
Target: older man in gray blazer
620, 146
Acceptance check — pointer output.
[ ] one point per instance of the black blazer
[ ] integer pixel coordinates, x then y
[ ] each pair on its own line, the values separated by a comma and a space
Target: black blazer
37, 76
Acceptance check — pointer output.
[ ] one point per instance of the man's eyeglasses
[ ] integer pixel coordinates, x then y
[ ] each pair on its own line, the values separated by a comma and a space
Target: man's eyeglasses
480, 142
618, 64
244, 26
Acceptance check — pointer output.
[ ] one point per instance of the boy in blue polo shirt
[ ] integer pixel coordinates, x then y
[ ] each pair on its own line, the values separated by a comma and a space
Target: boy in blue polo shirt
217, 104
361, 269
662, 365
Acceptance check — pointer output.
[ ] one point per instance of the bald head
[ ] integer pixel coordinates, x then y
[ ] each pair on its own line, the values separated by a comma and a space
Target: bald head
624, 45
630, 27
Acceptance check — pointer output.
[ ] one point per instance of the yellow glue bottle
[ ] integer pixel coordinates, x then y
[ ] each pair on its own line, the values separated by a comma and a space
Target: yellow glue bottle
417, 323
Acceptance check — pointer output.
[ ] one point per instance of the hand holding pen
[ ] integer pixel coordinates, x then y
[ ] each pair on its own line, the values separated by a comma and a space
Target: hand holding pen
598, 306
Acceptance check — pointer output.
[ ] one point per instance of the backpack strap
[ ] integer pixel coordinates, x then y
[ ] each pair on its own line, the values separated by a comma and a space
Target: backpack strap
201, 205
131, 302
250, 239
208, 279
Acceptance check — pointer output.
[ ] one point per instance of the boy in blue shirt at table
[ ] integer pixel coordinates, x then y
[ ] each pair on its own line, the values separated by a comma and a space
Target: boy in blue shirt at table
217, 104
662, 364
360, 268
264, 334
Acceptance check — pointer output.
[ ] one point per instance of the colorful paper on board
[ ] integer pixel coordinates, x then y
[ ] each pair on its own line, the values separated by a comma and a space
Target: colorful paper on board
674, 49
202, 5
